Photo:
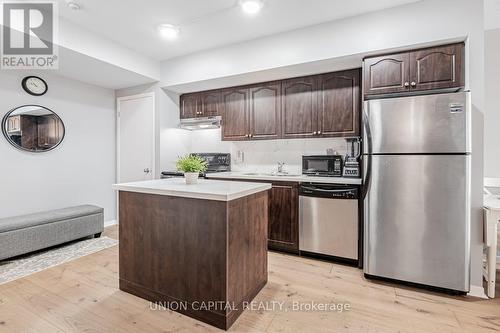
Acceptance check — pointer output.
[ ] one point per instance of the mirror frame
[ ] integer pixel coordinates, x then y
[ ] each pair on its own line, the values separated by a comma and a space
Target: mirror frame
12, 143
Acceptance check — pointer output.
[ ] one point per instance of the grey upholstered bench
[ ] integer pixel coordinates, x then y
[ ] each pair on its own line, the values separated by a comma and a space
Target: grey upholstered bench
27, 233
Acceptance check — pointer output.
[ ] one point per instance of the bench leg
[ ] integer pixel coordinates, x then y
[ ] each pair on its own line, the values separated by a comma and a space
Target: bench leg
97, 235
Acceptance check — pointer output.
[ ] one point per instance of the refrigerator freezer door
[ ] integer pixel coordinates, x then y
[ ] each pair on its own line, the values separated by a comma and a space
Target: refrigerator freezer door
417, 219
418, 125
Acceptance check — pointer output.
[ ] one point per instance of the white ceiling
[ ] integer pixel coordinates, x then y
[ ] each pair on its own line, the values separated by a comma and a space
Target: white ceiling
206, 24
491, 14
97, 72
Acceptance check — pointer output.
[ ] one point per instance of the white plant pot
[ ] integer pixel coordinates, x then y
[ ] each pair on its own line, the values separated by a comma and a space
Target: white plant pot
191, 177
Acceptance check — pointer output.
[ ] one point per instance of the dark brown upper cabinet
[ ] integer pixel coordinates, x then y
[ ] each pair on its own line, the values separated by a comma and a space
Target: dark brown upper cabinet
234, 108
299, 107
210, 103
387, 74
190, 104
50, 131
439, 67
339, 104
325, 105
200, 104
251, 113
265, 111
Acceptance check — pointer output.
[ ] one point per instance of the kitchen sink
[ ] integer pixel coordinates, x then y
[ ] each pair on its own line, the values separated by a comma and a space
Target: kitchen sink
281, 174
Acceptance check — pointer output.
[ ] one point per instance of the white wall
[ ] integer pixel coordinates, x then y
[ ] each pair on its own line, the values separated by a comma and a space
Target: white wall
413, 25
263, 156
174, 142
492, 104
79, 171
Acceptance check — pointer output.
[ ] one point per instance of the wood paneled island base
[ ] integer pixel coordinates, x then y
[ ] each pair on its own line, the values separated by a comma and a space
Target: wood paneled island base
202, 258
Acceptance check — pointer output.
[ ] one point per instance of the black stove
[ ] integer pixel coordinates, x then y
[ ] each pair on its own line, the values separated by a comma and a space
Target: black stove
216, 162
173, 174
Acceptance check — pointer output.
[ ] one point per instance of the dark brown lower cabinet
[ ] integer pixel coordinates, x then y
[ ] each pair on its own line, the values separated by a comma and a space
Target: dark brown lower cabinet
284, 217
283, 221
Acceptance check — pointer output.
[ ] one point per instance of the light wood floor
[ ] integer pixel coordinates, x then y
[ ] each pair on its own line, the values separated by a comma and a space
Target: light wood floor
83, 296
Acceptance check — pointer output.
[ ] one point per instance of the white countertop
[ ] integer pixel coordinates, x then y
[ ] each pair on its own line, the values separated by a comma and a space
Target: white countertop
287, 178
205, 189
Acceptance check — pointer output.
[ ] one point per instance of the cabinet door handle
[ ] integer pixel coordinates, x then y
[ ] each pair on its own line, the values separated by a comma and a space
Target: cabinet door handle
319, 132
251, 135
407, 84
314, 133
413, 84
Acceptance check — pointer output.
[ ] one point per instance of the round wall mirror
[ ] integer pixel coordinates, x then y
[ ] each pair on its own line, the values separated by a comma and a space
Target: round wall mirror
33, 128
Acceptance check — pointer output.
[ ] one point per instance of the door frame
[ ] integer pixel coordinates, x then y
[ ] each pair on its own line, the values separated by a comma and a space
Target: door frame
118, 109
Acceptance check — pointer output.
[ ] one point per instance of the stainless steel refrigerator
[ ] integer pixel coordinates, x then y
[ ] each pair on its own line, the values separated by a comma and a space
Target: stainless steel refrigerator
417, 189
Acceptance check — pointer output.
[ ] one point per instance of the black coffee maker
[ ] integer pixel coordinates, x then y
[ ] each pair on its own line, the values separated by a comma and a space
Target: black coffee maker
351, 162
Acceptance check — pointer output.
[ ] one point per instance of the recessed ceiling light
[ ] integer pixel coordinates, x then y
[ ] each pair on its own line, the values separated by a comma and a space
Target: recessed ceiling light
73, 5
251, 7
169, 31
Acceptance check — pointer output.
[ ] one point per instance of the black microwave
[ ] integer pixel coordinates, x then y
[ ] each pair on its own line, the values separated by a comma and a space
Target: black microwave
322, 165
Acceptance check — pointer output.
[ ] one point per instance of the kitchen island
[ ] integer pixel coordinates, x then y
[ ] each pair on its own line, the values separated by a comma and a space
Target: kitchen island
200, 250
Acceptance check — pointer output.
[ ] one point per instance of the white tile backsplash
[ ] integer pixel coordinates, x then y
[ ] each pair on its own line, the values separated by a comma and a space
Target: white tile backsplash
174, 142
263, 156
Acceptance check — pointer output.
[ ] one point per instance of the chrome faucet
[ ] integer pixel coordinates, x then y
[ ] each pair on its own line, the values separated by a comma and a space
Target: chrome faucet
280, 167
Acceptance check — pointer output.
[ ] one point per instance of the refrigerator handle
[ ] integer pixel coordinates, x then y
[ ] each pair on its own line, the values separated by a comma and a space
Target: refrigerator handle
368, 154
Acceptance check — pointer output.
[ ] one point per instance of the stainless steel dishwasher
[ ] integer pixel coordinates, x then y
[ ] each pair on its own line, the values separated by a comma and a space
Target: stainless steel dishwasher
328, 218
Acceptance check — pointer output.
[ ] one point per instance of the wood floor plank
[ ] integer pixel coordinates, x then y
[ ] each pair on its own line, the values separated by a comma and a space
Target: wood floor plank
83, 296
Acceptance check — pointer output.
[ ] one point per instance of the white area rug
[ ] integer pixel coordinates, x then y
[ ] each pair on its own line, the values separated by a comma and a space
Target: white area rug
22, 266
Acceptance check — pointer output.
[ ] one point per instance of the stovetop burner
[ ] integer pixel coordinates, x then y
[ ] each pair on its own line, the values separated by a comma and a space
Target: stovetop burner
216, 162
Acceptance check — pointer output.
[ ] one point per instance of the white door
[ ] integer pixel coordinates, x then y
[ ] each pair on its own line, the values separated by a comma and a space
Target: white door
136, 138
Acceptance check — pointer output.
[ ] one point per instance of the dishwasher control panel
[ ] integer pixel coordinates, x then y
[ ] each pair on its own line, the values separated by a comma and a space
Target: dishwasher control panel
329, 191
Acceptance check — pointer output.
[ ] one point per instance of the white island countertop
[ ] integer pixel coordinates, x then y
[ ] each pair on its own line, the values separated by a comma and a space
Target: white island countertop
285, 178
205, 189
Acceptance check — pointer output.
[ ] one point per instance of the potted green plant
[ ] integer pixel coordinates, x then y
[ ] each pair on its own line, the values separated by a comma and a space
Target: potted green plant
191, 165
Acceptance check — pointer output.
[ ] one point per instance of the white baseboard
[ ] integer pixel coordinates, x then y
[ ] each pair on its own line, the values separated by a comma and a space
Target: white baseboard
109, 223
477, 291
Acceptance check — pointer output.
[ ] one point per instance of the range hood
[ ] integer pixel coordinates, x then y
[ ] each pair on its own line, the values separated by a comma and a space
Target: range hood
193, 124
